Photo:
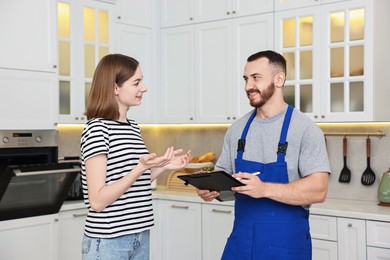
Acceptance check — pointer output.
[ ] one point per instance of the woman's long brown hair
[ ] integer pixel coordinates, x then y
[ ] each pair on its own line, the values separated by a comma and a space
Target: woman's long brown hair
112, 69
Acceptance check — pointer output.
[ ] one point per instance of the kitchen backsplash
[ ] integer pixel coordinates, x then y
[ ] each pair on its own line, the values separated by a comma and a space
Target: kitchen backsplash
201, 139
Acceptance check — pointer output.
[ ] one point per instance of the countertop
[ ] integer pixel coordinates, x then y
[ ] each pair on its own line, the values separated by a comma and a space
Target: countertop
368, 210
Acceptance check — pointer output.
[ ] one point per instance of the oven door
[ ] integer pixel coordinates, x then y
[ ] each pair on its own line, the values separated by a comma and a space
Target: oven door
34, 190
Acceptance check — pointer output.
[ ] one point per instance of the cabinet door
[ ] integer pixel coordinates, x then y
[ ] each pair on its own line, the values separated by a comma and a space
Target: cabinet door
28, 35
323, 227
136, 42
180, 230
294, 4
297, 38
378, 234
217, 224
250, 7
176, 12
375, 253
207, 10
30, 238
71, 230
324, 250
259, 29
178, 77
347, 89
28, 100
351, 235
214, 72
80, 48
134, 12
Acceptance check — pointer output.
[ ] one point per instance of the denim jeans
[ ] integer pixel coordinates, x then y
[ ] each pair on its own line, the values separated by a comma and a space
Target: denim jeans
129, 247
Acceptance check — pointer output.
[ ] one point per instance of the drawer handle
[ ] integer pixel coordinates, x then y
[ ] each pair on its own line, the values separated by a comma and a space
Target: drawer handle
180, 207
349, 225
222, 211
79, 215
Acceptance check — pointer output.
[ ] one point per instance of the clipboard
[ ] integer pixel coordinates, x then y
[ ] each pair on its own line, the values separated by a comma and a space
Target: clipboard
214, 181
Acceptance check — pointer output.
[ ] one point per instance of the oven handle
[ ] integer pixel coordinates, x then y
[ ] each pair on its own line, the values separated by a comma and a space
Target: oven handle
21, 174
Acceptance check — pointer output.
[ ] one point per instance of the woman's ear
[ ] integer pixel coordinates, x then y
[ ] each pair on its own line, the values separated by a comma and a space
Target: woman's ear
116, 89
279, 79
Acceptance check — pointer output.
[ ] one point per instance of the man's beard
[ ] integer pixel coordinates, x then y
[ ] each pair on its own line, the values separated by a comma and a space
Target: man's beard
265, 95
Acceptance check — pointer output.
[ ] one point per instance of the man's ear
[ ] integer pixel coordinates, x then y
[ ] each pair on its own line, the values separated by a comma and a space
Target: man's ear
279, 79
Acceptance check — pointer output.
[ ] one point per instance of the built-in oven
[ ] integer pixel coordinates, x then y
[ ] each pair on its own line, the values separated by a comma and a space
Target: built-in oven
32, 182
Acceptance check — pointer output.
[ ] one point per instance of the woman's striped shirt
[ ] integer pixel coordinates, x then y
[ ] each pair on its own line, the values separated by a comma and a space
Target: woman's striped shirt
123, 145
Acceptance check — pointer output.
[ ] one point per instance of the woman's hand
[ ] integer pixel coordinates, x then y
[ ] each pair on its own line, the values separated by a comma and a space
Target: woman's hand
171, 160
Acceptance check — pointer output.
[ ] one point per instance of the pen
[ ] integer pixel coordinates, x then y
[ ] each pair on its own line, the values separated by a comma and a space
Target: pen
253, 173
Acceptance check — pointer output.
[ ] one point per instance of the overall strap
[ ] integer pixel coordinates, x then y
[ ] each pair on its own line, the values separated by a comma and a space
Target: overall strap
241, 141
282, 146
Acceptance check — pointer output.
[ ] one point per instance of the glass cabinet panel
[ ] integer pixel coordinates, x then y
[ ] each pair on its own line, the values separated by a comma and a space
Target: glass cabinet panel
289, 95
356, 60
356, 24
337, 97
306, 30
290, 64
306, 98
356, 96
336, 62
288, 33
103, 26
87, 89
64, 97
89, 24
89, 61
64, 58
306, 65
63, 12
337, 22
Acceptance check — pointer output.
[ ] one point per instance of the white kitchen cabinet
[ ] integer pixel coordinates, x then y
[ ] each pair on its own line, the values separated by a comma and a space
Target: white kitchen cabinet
202, 82
28, 99
378, 240
137, 42
351, 234
134, 12
177, 75
217, 224
221, 52
323, 230
34, 238
28, 35
71, 230
179, 12
293, 4
85, 34
179, 230
330, 75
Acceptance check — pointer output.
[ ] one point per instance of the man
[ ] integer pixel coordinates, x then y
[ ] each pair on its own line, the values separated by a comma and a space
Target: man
288, 149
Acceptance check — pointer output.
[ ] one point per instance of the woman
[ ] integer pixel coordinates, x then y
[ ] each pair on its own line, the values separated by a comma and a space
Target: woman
117, 168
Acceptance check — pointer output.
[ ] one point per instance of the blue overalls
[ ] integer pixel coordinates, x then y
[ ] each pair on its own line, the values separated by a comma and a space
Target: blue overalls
265, 229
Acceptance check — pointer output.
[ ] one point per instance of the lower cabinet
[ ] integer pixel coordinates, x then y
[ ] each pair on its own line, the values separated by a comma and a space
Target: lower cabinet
71, 230
337, 238
191, 231
34, 238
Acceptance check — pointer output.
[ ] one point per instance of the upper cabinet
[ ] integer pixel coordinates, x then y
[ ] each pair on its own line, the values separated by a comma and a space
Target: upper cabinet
134, 12
331, 50
202, 67
182, 12
85, 35
28, 65
293, 4
28, 35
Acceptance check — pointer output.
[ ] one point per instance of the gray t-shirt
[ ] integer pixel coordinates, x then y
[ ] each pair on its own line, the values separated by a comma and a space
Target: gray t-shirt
306, 151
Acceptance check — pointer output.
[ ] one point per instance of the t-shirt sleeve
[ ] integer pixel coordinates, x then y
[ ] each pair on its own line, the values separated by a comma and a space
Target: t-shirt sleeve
94, 139
313, 155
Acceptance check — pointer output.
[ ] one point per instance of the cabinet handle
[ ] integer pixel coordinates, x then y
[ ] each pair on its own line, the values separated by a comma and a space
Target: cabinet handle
191, 118
315, 116
234, 118
54, 66
228, 118
79, 215
191, 18
222, 211
119, 17
228, 13
349, 225
233, 12
180, 207
322, 116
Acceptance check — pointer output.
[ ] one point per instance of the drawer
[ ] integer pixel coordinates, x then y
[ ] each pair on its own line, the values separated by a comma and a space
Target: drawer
323, 227
378, 234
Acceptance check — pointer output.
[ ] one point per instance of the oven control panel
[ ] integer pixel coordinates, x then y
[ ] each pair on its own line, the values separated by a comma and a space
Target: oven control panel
25, 138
